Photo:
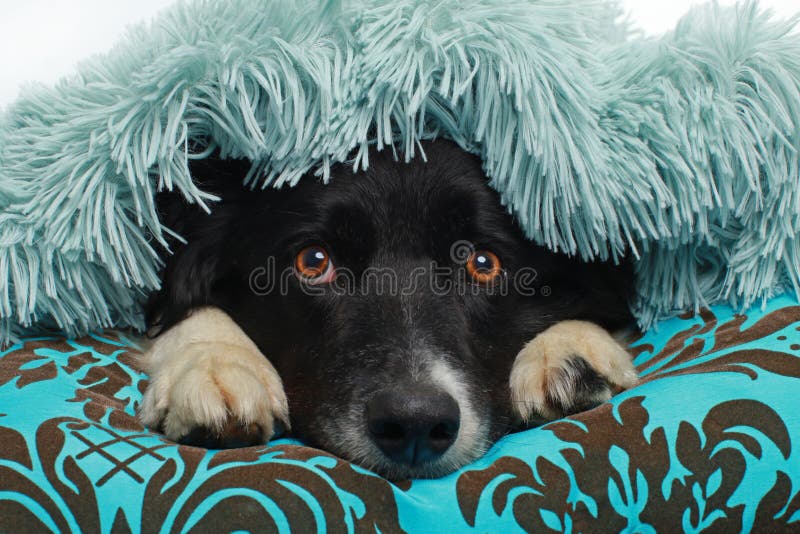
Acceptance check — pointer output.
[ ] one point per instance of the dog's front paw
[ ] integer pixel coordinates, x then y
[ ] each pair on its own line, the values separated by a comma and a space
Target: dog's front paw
570, 367
215, 395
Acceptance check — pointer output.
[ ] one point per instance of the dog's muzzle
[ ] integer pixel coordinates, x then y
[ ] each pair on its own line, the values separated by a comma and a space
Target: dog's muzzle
413, 426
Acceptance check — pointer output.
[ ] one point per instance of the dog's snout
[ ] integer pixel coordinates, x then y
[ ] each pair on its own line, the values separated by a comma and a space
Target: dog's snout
413, 426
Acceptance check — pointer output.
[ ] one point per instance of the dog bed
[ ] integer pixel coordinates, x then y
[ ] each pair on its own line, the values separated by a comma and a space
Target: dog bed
680, 152
708, 440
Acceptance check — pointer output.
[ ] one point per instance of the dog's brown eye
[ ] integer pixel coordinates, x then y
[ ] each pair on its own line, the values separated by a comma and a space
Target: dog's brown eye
484, 267
314, 264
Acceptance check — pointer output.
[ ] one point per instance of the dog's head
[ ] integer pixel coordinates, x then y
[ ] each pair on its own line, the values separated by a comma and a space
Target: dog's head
392, 302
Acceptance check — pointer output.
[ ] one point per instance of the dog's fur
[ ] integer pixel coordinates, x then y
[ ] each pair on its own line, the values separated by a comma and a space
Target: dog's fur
505, 356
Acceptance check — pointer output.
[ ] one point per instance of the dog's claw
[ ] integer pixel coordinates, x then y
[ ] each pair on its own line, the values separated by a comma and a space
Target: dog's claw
570, 367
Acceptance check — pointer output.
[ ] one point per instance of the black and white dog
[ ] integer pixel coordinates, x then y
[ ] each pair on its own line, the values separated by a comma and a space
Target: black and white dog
396, 317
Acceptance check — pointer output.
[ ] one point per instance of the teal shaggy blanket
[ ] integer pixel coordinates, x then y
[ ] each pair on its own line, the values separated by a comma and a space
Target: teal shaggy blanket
681, 152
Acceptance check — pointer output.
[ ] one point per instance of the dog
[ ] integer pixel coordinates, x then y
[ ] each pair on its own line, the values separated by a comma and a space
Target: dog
397, 317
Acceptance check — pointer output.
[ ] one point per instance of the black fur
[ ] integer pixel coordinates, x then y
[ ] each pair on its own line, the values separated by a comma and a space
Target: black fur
334, 351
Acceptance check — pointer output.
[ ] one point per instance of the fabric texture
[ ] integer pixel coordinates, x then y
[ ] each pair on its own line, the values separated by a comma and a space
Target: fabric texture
707, 441
680, 151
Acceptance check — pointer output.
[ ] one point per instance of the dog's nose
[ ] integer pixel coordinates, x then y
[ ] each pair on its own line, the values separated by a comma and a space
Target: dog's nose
413, 426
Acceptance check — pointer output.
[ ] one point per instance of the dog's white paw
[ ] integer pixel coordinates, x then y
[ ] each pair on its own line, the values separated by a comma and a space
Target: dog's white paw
570, 367
215, 393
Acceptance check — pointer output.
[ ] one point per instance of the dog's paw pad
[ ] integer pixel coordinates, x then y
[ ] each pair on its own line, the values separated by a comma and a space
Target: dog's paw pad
231, 435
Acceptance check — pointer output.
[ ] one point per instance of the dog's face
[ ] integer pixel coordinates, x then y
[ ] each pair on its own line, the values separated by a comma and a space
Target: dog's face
392, 302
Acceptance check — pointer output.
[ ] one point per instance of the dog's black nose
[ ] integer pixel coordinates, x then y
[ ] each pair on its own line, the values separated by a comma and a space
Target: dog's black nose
413, 426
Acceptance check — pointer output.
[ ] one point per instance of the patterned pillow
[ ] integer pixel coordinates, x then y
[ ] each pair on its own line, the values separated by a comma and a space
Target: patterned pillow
709, 439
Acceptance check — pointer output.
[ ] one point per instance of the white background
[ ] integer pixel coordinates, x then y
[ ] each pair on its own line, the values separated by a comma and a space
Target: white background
42, 39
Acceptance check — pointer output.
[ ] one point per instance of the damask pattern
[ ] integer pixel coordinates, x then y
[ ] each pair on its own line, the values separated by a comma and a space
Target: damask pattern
708, 441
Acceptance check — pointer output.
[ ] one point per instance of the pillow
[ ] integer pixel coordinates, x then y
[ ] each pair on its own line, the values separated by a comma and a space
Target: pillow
708, 439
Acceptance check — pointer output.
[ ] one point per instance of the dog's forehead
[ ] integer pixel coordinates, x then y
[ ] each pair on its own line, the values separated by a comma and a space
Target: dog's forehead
448, 184
415, 209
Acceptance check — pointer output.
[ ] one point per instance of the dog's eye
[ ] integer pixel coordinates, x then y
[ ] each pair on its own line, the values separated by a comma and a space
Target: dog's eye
314, 265
484, 267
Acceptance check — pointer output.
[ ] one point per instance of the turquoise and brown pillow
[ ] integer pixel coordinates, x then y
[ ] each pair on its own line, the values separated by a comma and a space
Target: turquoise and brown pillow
707, 441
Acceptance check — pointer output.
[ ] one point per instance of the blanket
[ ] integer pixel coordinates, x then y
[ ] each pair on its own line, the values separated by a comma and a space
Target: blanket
680, 152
